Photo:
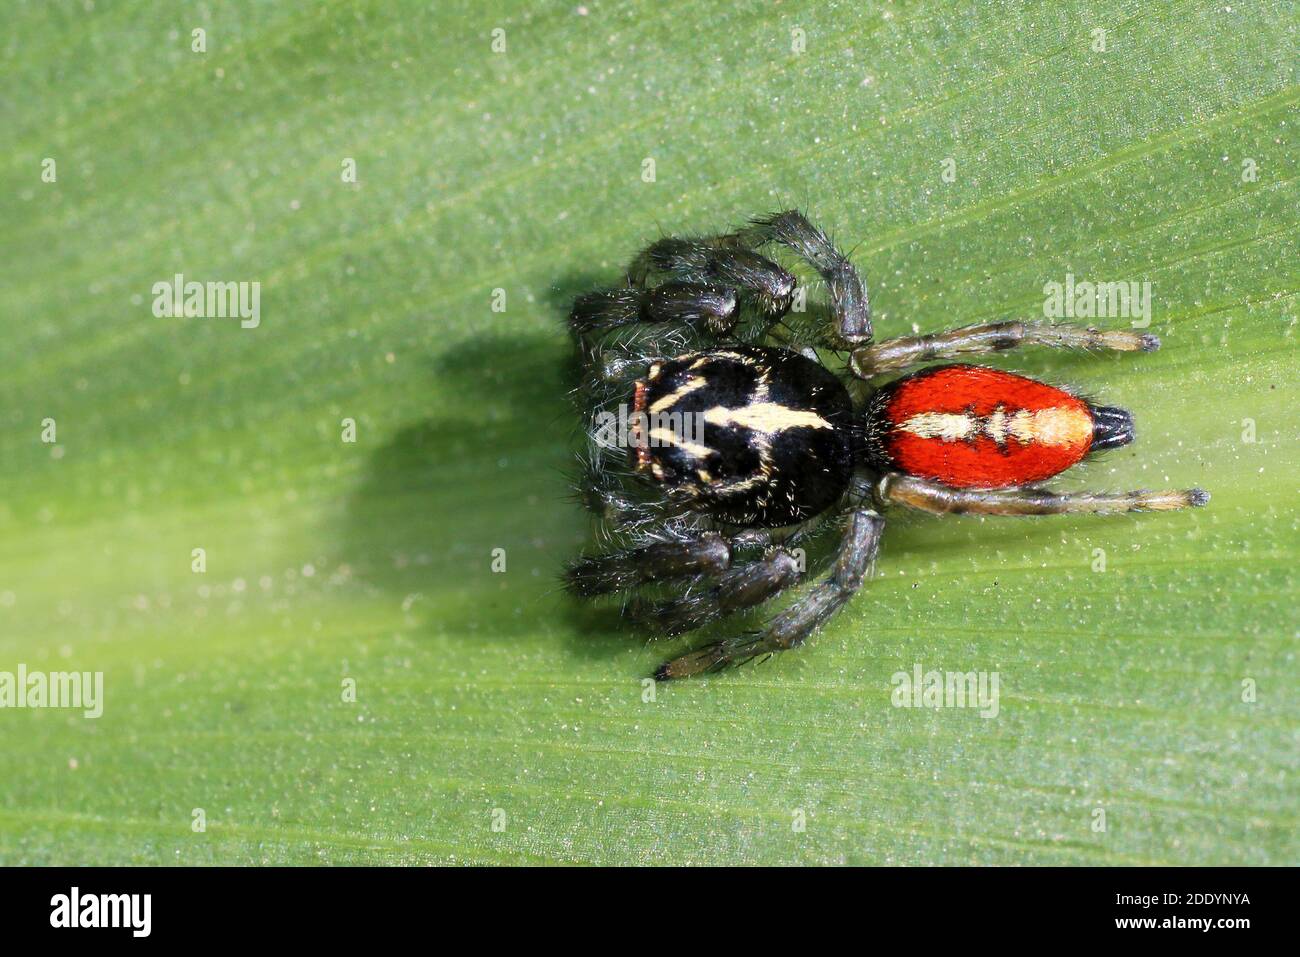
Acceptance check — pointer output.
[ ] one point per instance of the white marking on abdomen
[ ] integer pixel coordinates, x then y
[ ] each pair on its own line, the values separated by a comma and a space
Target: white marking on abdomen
948, 426
1054, 426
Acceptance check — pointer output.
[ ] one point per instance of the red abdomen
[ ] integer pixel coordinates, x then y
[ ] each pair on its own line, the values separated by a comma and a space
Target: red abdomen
974, 427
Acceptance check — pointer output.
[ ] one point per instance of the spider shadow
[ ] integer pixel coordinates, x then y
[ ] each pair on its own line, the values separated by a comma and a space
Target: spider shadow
489, 472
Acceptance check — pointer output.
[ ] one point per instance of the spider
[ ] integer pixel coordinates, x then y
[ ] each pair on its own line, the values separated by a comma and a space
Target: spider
734, 442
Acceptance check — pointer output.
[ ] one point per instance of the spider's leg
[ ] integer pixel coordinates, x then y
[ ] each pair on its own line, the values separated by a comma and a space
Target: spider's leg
695, 304
990, 337
790, 628
795, 337
605, 493
928, 496
618, 366
737, 588
705, 554
717, 262
849, 303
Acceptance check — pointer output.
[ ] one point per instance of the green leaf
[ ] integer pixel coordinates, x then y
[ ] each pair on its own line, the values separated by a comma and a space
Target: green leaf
494, 720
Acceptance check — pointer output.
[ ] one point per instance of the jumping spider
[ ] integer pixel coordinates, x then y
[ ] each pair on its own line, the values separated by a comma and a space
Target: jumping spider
741, 442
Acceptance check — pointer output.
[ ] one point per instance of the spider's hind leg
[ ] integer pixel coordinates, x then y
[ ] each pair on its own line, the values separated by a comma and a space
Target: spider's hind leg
987, 338
927, 496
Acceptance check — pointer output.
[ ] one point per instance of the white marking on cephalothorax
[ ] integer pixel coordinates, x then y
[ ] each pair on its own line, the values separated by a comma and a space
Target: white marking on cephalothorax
672, 398
739, 486
765, 417
666, 437
735, 357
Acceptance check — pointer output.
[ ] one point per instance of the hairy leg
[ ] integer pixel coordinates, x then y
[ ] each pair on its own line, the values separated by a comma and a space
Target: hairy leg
705, 554
857, 551
711, 307
927, 496
738, 588
991, 337
717, 262
849, 304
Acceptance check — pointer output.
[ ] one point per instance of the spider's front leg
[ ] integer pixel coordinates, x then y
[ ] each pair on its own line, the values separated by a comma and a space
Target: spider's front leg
693, 304
705, 554
849, 304
991, 337
717, 262
741, 587
789, 629
927, 496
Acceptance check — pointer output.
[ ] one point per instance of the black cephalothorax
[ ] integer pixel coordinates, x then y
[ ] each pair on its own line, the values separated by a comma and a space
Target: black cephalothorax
746, 435
719, 441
